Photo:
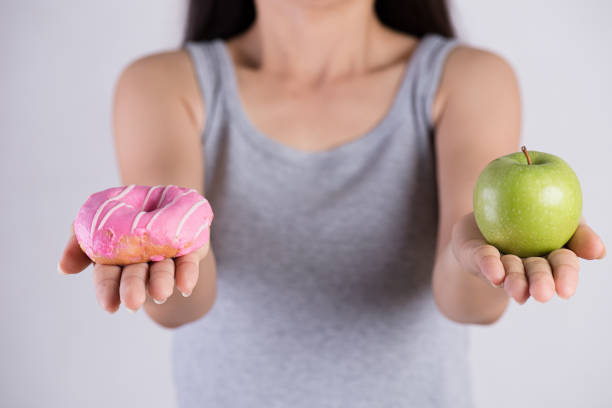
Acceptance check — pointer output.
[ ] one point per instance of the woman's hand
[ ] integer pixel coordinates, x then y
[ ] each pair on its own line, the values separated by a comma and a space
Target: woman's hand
539, 277
129, 284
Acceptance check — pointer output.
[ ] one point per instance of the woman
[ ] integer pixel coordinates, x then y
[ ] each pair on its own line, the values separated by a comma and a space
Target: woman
338, 142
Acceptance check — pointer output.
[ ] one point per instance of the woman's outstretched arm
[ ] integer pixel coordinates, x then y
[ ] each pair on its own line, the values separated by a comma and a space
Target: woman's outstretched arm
477, 116
158, 119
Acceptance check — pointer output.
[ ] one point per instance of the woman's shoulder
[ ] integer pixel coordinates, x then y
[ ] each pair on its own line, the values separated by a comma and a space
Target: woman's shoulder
163, 76
474, 73
465, 59
162, 67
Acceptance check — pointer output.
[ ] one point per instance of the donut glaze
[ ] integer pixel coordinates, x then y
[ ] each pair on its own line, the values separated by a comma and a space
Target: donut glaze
132, 224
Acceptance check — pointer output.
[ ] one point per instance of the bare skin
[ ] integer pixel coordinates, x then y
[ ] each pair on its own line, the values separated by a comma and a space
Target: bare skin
303, 70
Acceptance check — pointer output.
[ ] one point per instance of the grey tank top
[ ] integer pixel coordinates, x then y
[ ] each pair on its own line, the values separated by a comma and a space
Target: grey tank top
324, 261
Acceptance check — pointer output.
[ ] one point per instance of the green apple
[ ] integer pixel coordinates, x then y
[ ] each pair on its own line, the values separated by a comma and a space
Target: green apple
527, 203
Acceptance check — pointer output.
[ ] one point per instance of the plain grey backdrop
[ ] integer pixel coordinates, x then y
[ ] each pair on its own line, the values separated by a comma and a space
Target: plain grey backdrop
60, 60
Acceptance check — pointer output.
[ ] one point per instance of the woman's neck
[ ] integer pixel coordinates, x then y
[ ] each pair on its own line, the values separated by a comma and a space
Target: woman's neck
313, 43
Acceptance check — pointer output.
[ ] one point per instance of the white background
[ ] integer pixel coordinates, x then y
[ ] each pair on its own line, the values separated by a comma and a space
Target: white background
59, 63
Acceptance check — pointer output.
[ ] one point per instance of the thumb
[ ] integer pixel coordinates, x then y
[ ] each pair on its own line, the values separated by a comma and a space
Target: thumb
473, 252
73, 259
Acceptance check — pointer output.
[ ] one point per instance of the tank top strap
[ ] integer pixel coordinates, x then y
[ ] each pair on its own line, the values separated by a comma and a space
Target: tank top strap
423, 78
206, 57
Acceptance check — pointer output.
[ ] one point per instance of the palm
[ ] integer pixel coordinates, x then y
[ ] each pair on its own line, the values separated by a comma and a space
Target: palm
129, 284
539, 277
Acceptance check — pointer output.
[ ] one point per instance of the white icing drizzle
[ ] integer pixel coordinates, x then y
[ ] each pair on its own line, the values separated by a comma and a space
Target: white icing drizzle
108, 214
186, 216
135, 223
200, 230
119, 196
144, 203
148, 227
161, 200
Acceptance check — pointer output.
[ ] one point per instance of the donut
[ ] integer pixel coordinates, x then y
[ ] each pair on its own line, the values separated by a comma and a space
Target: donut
132, 224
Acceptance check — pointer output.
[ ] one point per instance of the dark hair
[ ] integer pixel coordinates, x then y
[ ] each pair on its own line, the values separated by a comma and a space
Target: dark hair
210, 19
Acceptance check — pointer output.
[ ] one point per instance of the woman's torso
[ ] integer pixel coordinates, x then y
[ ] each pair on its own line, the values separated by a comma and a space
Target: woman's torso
324, 260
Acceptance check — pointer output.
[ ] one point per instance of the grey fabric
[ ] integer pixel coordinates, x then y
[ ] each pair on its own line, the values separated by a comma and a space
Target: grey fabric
324, 261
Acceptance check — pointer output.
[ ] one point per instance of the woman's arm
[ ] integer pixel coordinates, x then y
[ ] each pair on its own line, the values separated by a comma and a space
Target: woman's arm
158, 118
477, 119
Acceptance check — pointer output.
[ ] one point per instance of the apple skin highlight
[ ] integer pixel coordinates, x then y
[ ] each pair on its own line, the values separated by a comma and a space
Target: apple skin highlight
527, 209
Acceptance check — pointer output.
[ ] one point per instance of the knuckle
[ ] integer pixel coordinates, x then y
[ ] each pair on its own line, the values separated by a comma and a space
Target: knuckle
570, 262
189, 259
532, 260
160, 286
484, 251
98, 270
163, 262
513, 265
536, 265
105, 284
187, 263
566, 267
132, 280
561, 253
163, 271
542, 281
511, 258
515, 275
540, 275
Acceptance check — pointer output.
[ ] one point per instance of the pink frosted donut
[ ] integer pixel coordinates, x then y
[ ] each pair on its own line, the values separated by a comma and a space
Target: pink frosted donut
132, 224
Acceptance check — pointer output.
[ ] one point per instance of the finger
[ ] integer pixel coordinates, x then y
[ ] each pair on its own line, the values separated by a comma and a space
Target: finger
161, 280
473, 252
73, 259
132, 290
565, 268
586, 243
485, 260
106, 283
187, 271
539, 276
515, 284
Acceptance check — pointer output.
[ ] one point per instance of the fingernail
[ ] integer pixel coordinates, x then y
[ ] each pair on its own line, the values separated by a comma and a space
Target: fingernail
131, 310
497, 286
185, 294
60, 270
159, 302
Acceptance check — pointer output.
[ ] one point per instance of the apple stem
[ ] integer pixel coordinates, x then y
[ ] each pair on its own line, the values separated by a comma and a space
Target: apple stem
524, 149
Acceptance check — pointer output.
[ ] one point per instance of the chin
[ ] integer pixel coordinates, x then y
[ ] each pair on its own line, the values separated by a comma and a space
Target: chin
322, 4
